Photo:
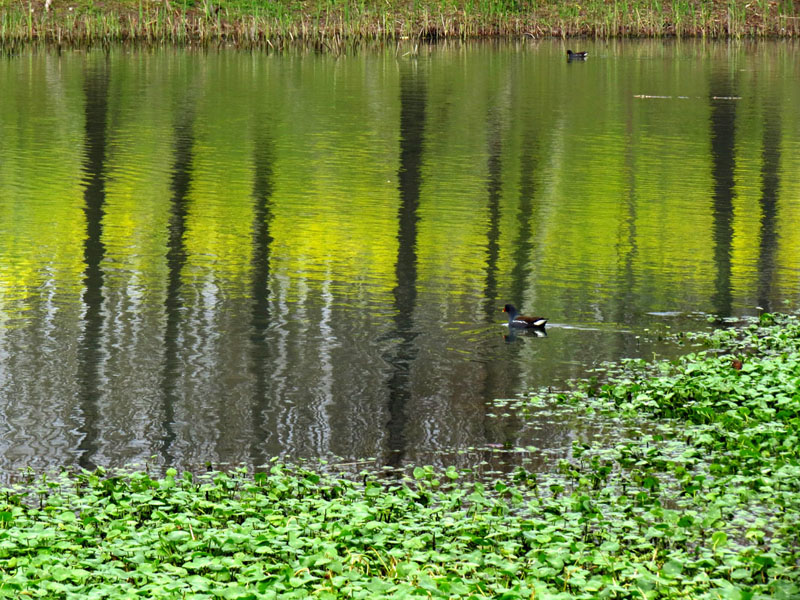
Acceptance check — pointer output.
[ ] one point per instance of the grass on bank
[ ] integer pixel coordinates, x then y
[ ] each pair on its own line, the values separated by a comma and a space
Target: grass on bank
332, 22
707, 507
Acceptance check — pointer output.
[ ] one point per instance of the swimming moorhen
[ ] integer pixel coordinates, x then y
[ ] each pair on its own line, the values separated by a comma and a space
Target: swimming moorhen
516, 320
576, 55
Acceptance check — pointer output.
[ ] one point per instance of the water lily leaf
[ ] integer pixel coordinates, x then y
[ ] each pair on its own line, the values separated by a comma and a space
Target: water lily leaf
178, 536
199, 583
672, 569
719, 538
237, 593
60, 573
67, 517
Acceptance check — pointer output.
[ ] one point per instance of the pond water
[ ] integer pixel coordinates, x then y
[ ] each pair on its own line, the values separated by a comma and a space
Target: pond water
226, 256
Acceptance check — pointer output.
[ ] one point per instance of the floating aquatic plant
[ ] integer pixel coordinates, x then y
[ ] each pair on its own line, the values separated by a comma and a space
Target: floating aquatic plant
708, 506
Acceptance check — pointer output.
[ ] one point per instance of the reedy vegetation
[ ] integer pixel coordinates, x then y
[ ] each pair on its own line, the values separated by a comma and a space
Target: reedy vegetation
331, 23
707, 506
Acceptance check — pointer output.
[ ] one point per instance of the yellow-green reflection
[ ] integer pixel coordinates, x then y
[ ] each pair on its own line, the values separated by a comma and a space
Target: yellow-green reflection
307, 254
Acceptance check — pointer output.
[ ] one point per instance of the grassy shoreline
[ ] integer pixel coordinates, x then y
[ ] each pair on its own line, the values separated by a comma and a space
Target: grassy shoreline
251, 23
707, 506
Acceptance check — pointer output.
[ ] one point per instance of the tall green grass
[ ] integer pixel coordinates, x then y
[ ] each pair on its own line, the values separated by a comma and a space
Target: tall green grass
335, 22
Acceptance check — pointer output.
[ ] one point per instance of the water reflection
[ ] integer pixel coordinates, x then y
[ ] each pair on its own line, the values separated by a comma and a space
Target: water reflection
493, 185
90, 354
404, 355
723, 128
249, 255
526, 219
176, 257
770, 185
263, 186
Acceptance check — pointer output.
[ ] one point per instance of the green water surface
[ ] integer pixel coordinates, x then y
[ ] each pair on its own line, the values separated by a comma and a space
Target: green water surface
222, 256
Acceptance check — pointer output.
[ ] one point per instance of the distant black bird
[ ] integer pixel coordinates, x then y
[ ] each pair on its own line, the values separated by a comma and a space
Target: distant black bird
517, 320
576, 55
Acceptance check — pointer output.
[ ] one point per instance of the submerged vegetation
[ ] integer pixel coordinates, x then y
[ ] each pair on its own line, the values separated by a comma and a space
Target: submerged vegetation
705, 506
331, 23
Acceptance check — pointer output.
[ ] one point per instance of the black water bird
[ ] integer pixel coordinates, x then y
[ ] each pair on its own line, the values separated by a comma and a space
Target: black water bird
521, 321
577, 55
